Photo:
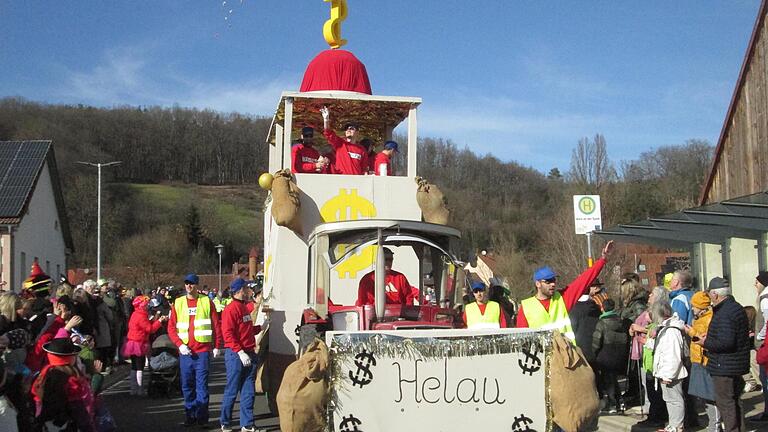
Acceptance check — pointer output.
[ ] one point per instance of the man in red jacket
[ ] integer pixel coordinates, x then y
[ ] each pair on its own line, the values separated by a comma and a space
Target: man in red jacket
240, 356
194, 327
396, 286
304, 156
351, 157
383, 163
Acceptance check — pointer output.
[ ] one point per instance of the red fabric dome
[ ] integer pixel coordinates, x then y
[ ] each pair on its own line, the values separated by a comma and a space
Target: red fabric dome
336, 70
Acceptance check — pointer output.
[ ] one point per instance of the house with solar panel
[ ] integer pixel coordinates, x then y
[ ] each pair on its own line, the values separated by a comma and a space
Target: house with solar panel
33, 223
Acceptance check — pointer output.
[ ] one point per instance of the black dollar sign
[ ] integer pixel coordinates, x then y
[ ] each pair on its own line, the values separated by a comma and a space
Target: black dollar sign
349, 424
521, 424
363, 361
530, 357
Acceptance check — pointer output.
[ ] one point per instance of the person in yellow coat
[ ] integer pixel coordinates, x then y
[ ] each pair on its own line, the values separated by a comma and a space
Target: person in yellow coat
701, 384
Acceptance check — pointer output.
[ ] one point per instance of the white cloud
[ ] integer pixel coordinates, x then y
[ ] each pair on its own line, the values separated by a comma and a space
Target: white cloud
130, 76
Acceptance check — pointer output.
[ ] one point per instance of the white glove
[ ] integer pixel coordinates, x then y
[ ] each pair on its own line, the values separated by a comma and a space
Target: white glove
245, 359
324, 112
184, 350
216, 352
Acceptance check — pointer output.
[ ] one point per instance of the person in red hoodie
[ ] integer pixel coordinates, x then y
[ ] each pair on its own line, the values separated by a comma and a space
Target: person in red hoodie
140, 327
240, 356
36, 358
396, 286
304, 156
194, 327
383, 162
351, 157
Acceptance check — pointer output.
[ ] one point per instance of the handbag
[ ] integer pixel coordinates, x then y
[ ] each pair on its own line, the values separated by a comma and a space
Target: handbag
762, 355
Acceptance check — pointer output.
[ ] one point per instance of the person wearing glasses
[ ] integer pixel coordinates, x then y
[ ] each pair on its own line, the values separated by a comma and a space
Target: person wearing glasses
304, 156
547, 308
396, 286
350, 156
194, 327
483, 313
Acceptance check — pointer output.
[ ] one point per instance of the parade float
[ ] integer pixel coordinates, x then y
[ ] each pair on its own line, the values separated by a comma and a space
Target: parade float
386, 366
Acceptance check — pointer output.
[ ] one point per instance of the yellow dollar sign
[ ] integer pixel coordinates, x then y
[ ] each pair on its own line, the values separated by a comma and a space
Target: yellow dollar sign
348, 205
332, 27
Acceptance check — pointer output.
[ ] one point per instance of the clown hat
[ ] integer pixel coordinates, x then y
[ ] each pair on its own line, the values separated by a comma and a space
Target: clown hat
37, 281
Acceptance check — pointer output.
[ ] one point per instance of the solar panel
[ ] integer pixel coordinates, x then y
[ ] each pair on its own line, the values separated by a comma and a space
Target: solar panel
20, 163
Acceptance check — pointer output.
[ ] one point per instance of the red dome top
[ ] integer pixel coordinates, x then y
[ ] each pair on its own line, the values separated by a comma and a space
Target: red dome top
336, 70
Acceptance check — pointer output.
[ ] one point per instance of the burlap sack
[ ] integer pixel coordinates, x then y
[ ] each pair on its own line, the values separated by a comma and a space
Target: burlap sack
572, 388
286, 205
432, 202
304, 392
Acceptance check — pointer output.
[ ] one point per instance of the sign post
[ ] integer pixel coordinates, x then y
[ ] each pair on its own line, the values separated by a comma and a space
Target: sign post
587, 218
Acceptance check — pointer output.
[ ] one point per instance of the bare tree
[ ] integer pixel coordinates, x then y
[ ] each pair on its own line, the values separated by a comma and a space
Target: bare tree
590, 166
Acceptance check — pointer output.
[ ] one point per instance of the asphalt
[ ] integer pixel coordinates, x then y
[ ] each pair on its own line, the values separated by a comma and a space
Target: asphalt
162, 413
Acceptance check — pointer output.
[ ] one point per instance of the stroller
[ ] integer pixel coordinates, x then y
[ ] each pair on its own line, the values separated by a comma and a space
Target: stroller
164, 372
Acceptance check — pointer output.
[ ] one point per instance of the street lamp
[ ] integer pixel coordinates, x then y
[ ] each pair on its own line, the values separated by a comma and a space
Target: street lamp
98, 212
219, 249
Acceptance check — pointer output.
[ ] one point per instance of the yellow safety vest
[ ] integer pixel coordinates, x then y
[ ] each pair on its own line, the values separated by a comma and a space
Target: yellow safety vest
203, 331
477, 320
556, 318
221, 303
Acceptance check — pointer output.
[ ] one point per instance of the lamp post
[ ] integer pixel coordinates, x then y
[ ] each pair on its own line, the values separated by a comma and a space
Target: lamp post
98, 165
219, 249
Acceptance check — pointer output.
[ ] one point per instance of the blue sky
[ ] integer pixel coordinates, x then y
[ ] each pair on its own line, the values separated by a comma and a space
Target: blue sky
523, 80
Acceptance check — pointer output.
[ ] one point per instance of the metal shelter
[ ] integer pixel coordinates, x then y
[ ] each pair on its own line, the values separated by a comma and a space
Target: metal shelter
728, 238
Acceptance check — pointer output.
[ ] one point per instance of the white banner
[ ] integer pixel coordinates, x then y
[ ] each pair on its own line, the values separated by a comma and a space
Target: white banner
440, 380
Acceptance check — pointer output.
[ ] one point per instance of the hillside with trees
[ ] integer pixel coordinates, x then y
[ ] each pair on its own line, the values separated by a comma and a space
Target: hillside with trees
188, 182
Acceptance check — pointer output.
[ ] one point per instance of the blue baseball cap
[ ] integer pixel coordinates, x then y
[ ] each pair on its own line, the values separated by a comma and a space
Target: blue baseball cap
478, 286
391, 145
236, 285
544, 273
191, 279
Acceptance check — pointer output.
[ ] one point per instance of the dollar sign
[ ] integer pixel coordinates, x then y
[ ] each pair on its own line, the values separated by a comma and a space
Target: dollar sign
349, 424
332, 27
348, 205
363, 361
533, 358
521, 424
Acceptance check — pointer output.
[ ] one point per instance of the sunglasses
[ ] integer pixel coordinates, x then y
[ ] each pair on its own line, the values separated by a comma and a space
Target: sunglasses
308, 136
351, 127
550, 280
478, 290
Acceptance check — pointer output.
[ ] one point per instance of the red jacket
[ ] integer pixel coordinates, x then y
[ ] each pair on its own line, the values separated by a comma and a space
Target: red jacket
304, 159
572, 292
351, 158
140, 327
36, 357
396, 287
237, 328
194, 345
382, 159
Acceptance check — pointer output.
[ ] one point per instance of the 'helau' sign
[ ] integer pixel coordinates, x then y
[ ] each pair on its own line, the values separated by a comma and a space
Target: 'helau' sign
586, 213
386, 391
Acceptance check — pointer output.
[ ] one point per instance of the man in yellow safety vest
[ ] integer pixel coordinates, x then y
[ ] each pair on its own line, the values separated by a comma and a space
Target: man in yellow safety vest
194, 327
547, 308
483, 313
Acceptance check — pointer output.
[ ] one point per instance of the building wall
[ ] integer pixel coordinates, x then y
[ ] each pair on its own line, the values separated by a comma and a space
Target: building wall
743, 263
39, 234
744, 148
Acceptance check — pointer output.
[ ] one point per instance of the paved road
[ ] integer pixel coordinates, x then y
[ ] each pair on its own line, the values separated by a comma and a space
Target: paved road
134, 413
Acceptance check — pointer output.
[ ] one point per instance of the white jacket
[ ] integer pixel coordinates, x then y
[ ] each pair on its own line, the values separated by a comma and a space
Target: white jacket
671, 348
